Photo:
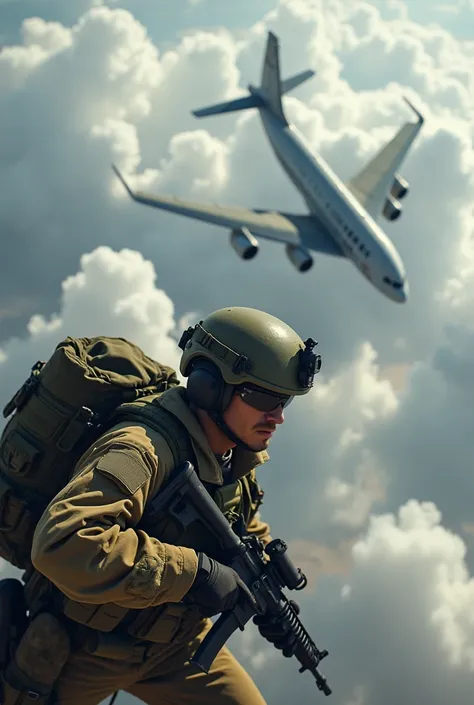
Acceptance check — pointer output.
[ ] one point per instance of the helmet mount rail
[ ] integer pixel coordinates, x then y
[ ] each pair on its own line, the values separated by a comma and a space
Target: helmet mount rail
240, 363
309, 364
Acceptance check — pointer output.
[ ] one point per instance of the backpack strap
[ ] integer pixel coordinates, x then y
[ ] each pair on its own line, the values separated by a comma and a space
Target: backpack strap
152, 414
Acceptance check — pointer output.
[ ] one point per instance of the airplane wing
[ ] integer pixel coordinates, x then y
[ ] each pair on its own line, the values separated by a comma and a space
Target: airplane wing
286, 228
372, 184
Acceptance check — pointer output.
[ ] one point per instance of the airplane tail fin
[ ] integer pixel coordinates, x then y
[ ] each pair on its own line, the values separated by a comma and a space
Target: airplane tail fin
271, 82
270, 92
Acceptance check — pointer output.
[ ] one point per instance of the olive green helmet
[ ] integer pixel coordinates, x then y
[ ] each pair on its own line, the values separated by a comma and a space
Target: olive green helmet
251, 346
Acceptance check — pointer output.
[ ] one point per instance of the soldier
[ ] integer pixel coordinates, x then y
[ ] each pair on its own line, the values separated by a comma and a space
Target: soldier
138, 602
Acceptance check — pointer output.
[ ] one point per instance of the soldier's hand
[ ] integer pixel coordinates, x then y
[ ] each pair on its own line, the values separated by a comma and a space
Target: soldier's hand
278, 633
216, 587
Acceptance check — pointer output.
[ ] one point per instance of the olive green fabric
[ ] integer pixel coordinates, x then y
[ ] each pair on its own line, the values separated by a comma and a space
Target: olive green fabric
55, 416
248, 345
37, 662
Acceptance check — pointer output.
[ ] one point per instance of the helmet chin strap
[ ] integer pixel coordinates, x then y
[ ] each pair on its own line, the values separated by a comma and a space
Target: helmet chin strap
218, 419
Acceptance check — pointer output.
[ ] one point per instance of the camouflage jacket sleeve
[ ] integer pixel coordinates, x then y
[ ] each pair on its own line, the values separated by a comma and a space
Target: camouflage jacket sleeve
87, 542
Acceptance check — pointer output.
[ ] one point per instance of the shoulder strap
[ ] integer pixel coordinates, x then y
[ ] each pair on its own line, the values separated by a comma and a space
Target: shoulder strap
164, 422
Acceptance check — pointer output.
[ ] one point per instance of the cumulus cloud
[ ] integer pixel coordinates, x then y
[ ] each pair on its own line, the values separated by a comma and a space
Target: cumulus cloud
96, 91
335, 479
13, 12
390, 412
113, 294
134, 108
426, 447
411, 563
399, 629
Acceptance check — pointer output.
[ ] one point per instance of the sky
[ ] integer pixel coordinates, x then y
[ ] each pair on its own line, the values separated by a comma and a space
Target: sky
370, 476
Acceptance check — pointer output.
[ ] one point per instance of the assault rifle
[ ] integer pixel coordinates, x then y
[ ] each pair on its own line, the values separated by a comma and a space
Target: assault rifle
186, 499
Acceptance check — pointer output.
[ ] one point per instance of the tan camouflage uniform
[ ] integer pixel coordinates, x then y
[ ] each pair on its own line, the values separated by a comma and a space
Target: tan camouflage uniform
86, 543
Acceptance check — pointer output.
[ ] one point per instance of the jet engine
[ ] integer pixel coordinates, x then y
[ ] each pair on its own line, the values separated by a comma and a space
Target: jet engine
392, 208
244, 243
400, 187
299, 257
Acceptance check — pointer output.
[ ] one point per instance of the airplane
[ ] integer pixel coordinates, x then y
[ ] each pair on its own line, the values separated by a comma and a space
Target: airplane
343, 217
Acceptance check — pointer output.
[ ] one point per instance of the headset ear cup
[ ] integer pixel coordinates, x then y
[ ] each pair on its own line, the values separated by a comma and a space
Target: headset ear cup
205, 386
227, 394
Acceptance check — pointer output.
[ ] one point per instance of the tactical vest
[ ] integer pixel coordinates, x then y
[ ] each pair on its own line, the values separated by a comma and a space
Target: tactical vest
170, 622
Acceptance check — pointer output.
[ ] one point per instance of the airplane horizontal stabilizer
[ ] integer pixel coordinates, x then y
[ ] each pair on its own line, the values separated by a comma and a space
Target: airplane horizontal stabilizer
229, 106
293, 81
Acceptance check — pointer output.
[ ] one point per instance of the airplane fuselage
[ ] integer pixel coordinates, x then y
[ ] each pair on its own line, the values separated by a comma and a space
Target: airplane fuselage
331, 202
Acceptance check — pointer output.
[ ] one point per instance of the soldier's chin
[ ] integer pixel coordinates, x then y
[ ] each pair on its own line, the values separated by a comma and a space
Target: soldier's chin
260, 444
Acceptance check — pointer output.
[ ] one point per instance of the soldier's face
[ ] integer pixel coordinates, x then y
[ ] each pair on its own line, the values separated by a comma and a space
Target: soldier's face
252, 426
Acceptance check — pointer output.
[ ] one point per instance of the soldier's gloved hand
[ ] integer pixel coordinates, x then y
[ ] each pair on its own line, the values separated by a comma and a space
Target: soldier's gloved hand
278, 633
216, 587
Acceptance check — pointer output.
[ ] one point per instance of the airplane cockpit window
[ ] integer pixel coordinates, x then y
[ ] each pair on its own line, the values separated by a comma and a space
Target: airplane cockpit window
395, 284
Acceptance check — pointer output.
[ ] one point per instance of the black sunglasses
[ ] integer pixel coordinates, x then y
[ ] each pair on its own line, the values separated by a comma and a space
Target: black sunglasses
262, 400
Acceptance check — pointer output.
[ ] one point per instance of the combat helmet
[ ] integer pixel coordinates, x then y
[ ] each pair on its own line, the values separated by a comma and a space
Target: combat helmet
244, 346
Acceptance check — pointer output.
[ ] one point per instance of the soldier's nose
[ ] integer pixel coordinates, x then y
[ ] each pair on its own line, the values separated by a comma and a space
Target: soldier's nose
276, 415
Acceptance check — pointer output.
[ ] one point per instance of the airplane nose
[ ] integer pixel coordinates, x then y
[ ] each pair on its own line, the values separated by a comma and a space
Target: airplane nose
403, 293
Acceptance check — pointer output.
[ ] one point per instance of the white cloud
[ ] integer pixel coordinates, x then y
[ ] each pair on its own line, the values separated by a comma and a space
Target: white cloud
410, 581
197, 162
134, 108
94, 90
201, 70
337, 477
425, 448
113, 294
399, 627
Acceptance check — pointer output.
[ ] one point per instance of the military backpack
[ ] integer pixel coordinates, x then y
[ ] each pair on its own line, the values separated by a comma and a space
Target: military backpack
60, 410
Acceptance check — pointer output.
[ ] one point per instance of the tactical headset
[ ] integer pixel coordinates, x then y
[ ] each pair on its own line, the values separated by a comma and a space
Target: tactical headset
206, 388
